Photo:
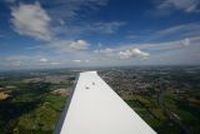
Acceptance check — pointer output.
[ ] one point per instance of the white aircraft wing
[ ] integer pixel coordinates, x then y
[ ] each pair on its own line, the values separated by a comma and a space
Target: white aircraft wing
96, 109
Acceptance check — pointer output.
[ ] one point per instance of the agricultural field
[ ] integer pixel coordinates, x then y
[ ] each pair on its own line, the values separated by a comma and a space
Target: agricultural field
32, 103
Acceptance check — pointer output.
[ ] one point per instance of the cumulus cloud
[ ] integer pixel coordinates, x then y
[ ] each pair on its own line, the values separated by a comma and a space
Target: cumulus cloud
44, 60
79, 45
186, 42
133, 52
70, 46
31, 20
185, 5
121, 53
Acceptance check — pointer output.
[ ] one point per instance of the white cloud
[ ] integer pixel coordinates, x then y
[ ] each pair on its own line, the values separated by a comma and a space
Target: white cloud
31, 20
186, 42
125, 52
179, 51
77, 61
69, 46
185, 5
79, 45
44, 60
81, 61
133, 52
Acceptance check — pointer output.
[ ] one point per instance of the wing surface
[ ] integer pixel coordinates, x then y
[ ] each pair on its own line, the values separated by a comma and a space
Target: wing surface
96, 109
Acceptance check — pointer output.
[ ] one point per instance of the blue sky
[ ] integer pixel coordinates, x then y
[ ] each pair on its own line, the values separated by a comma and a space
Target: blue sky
75, 33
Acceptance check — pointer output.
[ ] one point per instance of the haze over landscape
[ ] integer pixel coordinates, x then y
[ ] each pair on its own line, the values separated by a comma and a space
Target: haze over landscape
77, 33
